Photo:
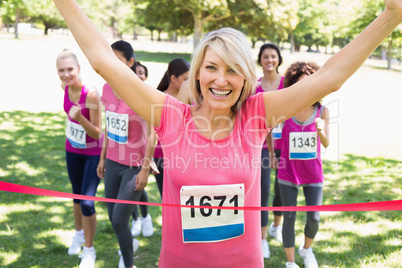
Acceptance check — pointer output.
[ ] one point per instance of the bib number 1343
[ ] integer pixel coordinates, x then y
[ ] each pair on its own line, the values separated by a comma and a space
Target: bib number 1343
302, 145
212, 225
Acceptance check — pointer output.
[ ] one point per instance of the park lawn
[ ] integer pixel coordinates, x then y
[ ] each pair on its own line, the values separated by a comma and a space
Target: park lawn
35, 231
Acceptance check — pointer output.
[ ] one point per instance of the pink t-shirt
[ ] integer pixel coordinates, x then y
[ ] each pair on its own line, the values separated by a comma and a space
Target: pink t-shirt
302, 163
126, 145
90, 146
200, 171
277, 130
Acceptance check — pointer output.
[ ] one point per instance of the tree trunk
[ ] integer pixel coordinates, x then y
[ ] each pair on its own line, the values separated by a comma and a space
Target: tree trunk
253, 42
46, 30
159, 35
198, 27
292, 43
17, 20
135, 35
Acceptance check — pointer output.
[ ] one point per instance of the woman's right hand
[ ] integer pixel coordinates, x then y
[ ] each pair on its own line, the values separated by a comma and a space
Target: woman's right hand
100, 170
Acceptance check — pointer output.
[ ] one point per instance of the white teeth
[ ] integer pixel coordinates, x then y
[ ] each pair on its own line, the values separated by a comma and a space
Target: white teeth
220, 92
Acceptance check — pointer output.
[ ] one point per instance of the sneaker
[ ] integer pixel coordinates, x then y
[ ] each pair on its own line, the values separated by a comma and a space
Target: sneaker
308, 257
75, 247
265, 249
275, 232
121, 262
147, 227
292, 265
136, 245
136, 227
88, 257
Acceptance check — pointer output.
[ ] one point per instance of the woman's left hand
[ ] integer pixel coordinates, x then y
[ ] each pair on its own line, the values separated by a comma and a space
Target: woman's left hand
394, 6
75, 112
319, 124
141, 180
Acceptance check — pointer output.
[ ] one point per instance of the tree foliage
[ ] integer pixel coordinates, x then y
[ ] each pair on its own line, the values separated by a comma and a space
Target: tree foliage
312, 23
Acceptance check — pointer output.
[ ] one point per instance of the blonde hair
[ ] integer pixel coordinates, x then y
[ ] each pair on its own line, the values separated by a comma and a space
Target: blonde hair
67, 54
234, 49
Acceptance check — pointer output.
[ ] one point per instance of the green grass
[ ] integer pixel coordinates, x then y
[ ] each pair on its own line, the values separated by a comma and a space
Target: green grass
160, 57
35, 231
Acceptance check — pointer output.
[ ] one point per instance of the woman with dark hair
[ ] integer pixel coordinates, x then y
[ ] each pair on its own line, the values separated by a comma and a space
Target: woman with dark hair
141, 71
270, 58
303, 135
125, 160
175, 75
126, 51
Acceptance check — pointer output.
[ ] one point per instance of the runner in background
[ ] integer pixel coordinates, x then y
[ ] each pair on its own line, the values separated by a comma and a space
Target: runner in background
125, 161
303, 135
83, 147
270, 58
144, 223
175, 75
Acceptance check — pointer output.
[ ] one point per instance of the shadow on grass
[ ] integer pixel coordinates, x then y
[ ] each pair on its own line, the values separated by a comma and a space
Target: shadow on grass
160, 57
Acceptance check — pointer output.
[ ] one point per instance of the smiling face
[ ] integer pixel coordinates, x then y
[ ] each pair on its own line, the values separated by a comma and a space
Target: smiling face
69, 71
269, 60
220, 85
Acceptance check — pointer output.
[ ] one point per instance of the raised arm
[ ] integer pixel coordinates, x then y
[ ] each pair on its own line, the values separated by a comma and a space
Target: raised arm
138, 95
285, 103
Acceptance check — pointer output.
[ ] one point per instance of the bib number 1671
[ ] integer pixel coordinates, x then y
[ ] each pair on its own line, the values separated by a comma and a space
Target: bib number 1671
205, 201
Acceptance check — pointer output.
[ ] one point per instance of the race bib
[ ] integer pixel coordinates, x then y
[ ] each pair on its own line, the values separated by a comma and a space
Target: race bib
302, 145
277, 131
117, 127
76, 135
202, 225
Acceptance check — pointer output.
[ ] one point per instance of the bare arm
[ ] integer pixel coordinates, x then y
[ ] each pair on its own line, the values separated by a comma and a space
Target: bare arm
138, 95
321, 123
100, 170
270, 145
142, 177
285, 103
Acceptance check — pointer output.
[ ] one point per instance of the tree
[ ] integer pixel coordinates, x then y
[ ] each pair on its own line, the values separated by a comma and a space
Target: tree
45, 12
155, 15
203, 11
13, 12
367, 13
314, 27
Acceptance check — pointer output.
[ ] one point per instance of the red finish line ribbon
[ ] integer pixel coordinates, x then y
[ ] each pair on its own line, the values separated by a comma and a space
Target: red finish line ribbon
370, 206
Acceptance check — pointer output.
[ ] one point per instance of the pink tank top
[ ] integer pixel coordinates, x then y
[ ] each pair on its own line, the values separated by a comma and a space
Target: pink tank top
92, 146
126, 130
223, 172
158, 151
277, 130
300, 153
